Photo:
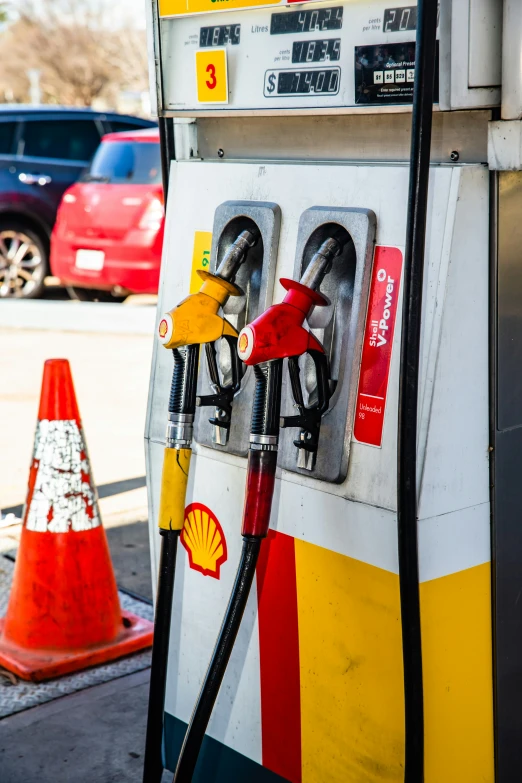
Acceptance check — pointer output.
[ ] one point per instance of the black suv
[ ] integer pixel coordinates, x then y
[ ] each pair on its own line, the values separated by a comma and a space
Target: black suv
43, 150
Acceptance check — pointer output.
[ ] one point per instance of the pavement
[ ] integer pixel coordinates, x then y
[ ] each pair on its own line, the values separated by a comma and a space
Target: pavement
96, 736
98, 733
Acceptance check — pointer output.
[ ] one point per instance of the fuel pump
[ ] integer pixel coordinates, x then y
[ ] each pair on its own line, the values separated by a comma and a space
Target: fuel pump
275, 335
398, 515
194, 322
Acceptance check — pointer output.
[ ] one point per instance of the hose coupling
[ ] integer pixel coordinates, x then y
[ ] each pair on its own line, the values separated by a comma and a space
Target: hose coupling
180, 429
264, 442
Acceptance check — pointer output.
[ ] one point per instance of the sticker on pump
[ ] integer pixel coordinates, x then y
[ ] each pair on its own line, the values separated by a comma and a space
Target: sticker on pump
212, 76
377, 346
204, 539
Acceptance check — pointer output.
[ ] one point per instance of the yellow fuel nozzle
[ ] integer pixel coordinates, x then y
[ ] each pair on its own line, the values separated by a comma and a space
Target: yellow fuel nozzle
195, 321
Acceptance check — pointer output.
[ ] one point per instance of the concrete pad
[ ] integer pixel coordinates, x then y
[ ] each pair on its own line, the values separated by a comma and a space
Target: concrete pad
97, 736
69, 316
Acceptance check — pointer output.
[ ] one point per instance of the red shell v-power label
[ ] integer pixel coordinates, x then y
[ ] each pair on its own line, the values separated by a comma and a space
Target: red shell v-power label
377, 347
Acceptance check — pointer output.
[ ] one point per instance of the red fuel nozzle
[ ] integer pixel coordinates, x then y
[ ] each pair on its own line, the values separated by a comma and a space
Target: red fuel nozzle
279, 333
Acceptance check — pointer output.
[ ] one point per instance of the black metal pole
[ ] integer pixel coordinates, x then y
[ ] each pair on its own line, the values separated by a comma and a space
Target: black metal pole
166, 132
409, 387
153, 765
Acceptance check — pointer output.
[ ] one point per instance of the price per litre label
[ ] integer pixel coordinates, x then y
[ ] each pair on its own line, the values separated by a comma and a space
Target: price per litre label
212, 76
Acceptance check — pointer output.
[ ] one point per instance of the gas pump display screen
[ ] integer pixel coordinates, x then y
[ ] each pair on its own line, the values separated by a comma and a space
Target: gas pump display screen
331, 55
219, 35
316, 51
318, 20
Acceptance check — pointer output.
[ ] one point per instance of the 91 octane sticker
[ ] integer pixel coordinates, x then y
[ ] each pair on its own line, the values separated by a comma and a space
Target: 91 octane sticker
377, 347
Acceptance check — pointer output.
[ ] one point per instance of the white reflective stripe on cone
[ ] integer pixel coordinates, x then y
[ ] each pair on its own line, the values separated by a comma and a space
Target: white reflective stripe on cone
63, 497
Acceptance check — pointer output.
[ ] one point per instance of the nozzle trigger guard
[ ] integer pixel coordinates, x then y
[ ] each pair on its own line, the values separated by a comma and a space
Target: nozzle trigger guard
224, 395
309, 418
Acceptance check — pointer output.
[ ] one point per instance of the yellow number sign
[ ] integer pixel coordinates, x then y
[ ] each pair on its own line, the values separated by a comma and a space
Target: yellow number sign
200, 258
211, 75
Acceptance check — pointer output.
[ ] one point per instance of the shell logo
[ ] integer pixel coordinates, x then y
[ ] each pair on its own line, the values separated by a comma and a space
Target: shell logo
163, 328
204, 539
243, 343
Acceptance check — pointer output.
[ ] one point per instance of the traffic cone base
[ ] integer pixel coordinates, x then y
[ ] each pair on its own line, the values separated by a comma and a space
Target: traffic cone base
64, 612
37, 665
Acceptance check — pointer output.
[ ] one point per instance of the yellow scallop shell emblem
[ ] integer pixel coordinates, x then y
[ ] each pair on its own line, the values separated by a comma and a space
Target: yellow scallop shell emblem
163, 328
203, 538
243, 343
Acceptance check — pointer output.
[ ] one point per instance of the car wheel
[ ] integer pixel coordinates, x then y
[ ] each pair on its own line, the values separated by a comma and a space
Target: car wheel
23, 261
92, 295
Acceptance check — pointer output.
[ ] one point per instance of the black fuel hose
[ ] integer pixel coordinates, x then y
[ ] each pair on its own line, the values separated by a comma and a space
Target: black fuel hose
153, 764
182, 399
409, 388
219, 662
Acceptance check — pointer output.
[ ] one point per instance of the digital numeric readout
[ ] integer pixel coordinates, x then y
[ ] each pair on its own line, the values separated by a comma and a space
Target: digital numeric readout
219, 35
318, 20
320, 82
397, 20
316, 51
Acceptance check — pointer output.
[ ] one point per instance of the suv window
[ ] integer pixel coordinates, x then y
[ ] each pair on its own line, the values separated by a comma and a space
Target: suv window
125, 125
7, 133
65, 139
120, 162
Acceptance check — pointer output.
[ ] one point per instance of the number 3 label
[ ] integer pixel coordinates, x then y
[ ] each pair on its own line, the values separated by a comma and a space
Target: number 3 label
211, 69
211, 76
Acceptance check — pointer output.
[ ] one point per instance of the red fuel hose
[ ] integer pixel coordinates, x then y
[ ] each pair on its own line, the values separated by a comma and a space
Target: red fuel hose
256, 518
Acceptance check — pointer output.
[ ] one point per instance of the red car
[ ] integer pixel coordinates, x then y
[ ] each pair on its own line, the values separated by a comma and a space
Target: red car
108, 235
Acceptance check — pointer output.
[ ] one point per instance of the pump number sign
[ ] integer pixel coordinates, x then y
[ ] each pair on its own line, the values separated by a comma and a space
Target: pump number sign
212, 76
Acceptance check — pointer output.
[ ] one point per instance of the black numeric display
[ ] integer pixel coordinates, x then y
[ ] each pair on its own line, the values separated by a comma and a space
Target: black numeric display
219, 35
309, 82
397, 20
316, 51
318, 20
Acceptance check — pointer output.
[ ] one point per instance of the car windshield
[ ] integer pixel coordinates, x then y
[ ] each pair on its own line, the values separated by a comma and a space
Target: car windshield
126, 162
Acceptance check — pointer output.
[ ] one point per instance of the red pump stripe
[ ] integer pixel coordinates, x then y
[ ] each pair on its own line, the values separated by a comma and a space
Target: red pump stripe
279, 655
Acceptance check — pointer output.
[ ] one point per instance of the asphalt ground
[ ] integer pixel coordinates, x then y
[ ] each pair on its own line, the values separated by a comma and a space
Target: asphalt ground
95, 736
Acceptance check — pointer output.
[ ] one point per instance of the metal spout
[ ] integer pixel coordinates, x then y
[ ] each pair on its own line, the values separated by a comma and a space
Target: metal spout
236, 254
321, 263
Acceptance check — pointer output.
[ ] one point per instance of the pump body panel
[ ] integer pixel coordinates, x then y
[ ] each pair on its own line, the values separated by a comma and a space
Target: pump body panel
314, 688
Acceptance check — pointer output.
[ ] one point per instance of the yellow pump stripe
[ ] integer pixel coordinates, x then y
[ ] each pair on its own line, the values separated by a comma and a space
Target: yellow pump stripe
352, 716
176, 463
352, 708
457, 660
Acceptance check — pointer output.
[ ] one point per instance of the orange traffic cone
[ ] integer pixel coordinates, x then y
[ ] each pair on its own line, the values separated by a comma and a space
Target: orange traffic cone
63, 612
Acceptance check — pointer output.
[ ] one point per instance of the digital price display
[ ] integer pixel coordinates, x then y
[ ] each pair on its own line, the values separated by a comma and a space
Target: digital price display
397, 20
316, 51
307, 21
219, 35
318, 82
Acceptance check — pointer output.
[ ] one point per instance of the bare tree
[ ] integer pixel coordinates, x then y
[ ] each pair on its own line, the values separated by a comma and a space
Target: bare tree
81, 48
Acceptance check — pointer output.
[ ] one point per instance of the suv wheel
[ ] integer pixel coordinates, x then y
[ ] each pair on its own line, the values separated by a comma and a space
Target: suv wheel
23, 261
